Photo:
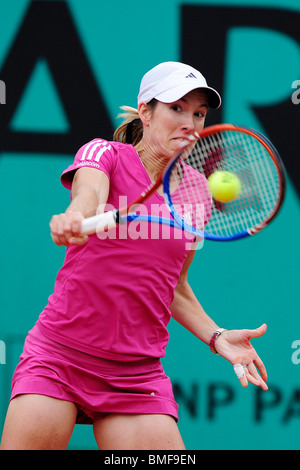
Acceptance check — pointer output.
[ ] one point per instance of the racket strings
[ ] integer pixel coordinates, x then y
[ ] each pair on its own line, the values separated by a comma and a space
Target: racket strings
239, 153
190, 196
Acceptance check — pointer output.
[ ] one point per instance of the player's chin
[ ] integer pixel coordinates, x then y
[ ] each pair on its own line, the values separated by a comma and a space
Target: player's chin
175, 147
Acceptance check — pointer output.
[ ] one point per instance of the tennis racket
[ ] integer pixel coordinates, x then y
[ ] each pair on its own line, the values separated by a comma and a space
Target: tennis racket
239, 150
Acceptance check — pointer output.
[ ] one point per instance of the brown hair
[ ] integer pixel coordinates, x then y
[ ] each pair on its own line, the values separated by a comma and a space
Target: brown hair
131, 130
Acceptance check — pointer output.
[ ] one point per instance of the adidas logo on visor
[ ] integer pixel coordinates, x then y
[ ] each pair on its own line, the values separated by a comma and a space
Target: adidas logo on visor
191, 75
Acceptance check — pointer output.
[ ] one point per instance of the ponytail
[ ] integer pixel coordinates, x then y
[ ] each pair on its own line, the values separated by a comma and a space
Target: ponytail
131, 130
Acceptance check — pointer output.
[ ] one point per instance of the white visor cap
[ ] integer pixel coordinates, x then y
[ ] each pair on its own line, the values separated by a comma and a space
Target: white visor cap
170, 81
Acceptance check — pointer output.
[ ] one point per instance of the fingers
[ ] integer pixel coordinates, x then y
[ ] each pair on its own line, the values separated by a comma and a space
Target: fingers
240, 372
262, 370
65, 229
254, 377
249, 373
258, 332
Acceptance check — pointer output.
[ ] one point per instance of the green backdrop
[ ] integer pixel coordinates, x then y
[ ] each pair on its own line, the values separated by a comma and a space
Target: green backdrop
241, 284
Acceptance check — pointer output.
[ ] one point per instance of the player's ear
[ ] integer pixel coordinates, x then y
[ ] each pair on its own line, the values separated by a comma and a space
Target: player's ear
145, 113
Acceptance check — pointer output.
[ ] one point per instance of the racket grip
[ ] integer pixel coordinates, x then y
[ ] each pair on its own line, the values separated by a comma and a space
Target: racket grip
99, 223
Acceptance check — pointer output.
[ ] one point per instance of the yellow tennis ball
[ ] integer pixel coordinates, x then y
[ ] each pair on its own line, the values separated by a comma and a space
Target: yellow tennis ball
224, 186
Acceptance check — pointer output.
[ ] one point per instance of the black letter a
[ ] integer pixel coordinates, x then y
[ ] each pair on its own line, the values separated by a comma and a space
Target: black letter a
48, 32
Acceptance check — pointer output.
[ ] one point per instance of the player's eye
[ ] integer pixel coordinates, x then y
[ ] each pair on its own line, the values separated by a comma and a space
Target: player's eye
200, 115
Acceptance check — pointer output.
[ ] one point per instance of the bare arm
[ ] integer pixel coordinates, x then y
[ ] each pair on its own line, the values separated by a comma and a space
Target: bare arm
233, 345
187, 310
90, 190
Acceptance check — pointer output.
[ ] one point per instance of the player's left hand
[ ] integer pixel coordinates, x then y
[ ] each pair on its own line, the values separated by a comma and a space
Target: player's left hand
235, 346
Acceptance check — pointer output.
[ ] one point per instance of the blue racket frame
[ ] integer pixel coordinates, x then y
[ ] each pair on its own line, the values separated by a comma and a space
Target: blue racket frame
178, 222
112, 218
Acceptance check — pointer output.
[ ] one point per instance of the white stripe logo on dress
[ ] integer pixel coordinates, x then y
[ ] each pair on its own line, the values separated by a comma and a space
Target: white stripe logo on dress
96, 148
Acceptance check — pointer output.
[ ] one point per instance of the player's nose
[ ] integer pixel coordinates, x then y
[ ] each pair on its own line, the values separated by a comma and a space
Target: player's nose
188, 124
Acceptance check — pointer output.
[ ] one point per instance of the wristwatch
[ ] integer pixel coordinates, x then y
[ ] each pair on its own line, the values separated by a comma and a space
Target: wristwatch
214, 338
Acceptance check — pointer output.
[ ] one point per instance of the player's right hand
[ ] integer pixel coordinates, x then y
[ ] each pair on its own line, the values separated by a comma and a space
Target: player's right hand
65, 229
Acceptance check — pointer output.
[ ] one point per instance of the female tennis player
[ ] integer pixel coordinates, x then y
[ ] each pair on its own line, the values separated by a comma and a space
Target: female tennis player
94, 354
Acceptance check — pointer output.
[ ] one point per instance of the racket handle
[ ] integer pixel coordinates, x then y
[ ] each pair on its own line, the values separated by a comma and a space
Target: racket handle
99, 223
